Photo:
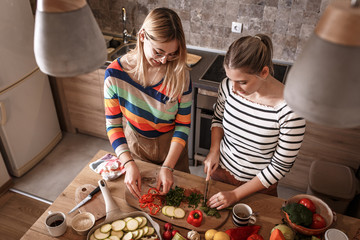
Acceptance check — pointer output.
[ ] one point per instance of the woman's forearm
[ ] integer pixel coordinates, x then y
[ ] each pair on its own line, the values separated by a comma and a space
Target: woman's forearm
173, 154
252, 186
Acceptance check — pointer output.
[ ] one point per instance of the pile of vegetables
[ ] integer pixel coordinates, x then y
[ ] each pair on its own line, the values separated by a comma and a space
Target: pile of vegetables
175, 196
303, 213
126, 229
299, 214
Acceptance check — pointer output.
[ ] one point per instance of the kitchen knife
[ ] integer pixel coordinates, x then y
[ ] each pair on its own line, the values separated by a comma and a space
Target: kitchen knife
85, 200
206, 190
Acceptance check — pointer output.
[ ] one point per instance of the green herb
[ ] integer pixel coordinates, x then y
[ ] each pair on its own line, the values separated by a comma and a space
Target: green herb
210, 211
175, 196
194, 200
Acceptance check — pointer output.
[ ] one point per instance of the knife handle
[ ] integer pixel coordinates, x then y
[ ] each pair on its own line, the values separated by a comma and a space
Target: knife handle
95, 191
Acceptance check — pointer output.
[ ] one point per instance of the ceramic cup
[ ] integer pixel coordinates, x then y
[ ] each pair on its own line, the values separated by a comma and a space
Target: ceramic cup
242, 215
56, 223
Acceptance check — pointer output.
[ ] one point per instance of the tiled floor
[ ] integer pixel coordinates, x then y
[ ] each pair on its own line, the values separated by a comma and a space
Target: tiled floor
50, 176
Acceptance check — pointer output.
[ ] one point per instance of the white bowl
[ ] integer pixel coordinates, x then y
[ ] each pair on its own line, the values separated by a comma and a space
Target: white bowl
82, 223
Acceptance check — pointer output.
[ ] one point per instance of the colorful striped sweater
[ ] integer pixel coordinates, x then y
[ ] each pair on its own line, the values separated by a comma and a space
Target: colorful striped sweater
146, 109
258, 140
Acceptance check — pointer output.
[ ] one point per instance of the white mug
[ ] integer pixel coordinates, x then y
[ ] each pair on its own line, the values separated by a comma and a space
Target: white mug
242, 215
56, 223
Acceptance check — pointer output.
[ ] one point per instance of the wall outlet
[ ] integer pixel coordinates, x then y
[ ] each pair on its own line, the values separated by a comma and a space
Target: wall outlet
236, 27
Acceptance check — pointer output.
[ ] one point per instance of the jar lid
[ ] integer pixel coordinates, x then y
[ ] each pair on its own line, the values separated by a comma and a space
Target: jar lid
335, 234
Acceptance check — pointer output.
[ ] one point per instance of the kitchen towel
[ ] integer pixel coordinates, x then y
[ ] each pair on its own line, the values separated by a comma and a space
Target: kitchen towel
108, 166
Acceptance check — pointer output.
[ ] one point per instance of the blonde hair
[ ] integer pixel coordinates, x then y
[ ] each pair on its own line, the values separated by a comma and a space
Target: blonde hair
164, 25
252, 53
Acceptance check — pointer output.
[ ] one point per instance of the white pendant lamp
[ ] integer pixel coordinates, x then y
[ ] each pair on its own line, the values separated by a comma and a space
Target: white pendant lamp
323, 86
67, 39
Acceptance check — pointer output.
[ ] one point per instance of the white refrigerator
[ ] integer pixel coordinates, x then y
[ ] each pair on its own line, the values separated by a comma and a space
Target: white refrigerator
29, 127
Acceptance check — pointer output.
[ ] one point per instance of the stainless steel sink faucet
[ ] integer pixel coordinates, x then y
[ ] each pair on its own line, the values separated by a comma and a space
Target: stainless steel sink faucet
126, 35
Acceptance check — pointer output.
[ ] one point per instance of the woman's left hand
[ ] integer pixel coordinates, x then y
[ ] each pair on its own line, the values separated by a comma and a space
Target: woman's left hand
222, 200
165, 180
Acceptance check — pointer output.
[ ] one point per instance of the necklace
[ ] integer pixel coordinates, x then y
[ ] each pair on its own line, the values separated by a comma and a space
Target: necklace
154, 77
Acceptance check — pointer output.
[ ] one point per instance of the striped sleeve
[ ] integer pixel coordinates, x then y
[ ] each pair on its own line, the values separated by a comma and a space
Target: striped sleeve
219, 107
113, 113
292, 130
183, 117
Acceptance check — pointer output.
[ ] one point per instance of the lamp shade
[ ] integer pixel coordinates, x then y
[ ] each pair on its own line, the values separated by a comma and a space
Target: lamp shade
323, 86
68, 43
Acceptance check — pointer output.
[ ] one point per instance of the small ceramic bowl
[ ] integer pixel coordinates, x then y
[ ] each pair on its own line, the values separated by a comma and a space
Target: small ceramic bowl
321, 208
82, 223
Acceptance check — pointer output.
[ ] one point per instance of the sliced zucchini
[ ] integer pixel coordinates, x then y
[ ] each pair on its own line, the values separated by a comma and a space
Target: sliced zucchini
144, 222
135, 233
170, 211
141, 233
100, 235
132, 224
179, 213
151, 231
145, 230
105, 228
127, 219
114, 237
92, 237
163, 210
139, 219
118, 225
154, 236
120, 233
127, 236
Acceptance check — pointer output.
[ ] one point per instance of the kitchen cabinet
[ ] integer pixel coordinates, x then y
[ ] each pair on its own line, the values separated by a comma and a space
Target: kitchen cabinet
5, 179
80, 103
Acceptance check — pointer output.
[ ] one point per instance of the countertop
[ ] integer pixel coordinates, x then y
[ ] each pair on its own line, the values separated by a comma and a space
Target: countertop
267, 206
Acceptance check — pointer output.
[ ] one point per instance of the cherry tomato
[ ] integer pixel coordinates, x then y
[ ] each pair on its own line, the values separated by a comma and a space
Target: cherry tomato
167, 235
318, 221
168, 226
174, 232
255, 236
308, 203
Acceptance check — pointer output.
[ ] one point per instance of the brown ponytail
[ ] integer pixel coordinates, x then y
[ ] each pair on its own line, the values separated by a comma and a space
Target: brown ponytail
251, 53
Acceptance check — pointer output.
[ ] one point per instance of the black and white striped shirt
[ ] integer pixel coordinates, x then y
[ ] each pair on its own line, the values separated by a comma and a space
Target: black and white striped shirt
258, 140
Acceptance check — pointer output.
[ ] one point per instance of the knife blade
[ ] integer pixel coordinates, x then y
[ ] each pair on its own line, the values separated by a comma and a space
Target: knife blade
206, 190
85, 200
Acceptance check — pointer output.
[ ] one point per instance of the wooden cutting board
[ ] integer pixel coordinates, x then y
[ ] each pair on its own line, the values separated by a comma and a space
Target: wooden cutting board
96, 205
149, 180
192, 59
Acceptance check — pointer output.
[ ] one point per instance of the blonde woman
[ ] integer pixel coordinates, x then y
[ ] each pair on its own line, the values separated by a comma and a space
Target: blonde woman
255, 136
150, 90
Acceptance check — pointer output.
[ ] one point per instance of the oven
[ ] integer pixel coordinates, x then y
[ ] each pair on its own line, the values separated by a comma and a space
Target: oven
205, 105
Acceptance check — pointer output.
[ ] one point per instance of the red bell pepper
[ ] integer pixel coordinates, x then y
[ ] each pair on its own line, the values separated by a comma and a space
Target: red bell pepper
195, 218
242, 233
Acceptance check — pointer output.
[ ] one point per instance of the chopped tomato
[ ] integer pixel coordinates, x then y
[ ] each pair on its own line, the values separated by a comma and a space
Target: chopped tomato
308, 203
318, 221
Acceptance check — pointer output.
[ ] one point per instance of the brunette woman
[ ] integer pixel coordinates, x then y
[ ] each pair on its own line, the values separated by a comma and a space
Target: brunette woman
255, 136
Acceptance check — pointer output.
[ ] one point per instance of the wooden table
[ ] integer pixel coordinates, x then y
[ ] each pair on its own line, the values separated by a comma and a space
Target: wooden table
268, 207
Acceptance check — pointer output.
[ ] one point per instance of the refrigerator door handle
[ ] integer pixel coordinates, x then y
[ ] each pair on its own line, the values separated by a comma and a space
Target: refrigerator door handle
3, 114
